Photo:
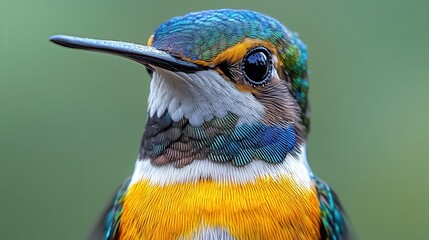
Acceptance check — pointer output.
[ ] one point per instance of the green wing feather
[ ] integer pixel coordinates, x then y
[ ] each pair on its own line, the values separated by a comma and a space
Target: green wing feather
108, 224
335, 225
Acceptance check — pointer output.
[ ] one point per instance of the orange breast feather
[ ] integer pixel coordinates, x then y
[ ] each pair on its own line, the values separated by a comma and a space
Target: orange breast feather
264, 209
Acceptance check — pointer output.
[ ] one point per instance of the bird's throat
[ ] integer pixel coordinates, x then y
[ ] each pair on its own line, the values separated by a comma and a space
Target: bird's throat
220, 140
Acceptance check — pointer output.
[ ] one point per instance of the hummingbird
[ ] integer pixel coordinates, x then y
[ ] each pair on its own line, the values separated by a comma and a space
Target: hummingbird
223, 154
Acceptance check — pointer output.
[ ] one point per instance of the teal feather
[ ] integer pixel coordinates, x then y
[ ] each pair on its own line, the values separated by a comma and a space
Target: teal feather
114, 215
334, 222
219, 140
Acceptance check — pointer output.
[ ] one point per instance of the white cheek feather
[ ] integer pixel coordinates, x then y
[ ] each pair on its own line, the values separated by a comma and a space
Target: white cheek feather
275, 60
294, 167
200, 97
274, 72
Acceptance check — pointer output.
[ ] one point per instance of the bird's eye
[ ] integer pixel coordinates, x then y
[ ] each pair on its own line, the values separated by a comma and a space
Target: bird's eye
257, 66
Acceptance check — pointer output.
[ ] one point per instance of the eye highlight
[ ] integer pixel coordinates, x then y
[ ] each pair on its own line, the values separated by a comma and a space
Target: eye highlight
257, 66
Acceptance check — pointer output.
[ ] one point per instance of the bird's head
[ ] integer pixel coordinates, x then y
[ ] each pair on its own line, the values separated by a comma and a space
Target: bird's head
227, 86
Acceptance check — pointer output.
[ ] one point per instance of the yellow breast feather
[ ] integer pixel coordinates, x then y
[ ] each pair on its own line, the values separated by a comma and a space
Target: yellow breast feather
266, 208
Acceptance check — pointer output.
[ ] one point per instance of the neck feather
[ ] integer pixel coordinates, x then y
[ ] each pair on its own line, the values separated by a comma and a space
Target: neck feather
220, 140
295, 167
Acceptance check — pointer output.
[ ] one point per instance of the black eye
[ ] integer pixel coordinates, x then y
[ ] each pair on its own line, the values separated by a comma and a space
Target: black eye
257, 66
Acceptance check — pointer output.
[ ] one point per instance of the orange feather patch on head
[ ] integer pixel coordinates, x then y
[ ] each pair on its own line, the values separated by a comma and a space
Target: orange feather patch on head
150, 40
235, 53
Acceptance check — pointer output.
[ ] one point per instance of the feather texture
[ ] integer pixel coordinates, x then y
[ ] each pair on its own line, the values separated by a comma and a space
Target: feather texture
334, 221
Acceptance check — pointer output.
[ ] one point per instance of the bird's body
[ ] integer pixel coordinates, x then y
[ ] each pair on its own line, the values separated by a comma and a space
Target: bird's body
220, 210
223, 154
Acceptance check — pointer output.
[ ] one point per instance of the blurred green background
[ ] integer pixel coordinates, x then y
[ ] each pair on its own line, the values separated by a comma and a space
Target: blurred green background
71, 121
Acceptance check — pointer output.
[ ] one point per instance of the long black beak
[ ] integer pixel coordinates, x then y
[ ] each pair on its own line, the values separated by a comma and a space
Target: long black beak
149, 56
